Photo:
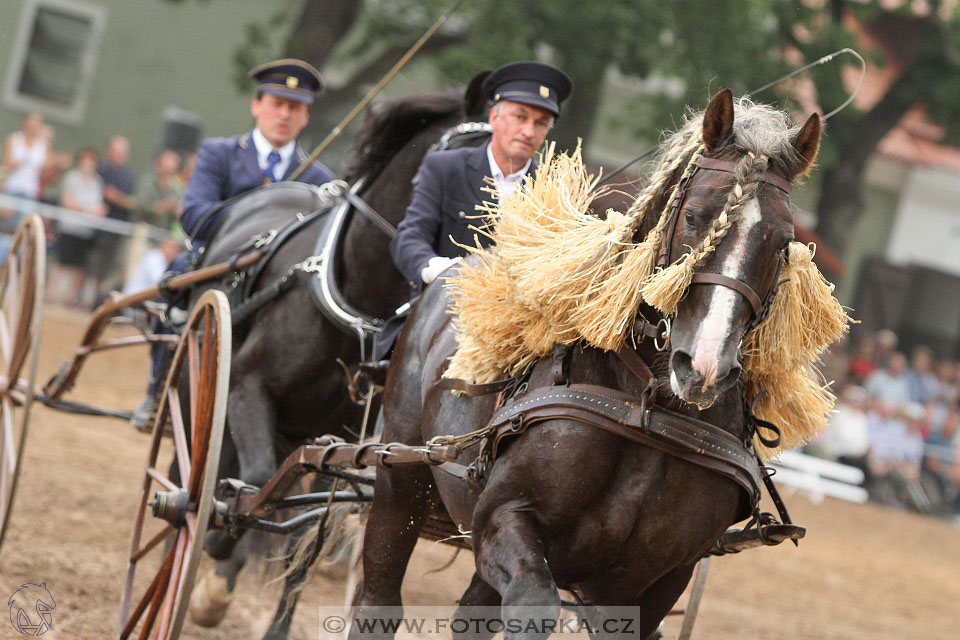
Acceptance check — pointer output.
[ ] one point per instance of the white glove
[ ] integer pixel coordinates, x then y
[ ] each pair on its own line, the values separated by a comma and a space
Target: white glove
435, 266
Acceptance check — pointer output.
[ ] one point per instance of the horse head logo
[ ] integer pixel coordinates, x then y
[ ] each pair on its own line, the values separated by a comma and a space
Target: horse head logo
30, 608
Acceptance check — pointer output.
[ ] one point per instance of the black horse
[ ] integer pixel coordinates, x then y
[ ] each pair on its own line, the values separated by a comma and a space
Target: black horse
566, 504
286, 385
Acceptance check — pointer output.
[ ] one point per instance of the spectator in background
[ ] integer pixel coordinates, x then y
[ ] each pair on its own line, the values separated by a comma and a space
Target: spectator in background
160, 192
921, 382
847, 438
888, 386
26, 153
942, 465
118, 188
861, 363
887, 342
151, 266
24, 156
82, 192
946, 372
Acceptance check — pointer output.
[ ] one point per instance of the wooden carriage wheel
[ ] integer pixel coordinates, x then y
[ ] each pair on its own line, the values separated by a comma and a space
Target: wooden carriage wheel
175, 508
21, 306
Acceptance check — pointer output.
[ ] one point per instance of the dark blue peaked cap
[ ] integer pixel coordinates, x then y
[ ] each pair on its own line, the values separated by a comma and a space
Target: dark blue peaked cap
534, 83
288, 78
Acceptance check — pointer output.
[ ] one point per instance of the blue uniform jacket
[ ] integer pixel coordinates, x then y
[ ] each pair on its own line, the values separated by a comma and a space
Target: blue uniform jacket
227, 167
447, 191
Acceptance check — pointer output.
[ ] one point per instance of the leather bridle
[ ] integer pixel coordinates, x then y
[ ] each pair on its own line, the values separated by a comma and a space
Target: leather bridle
760, 307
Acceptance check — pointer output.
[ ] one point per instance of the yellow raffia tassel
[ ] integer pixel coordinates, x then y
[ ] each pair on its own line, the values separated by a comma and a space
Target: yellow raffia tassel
805, 318
664, 290
798, 402
494, 331
604, 318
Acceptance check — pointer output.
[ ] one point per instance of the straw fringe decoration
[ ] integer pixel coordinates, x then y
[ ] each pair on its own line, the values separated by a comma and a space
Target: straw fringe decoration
560, 274
781, 351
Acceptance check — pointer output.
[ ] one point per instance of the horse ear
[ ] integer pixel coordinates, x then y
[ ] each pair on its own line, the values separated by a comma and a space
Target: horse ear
718, 119
474, 100
807, 142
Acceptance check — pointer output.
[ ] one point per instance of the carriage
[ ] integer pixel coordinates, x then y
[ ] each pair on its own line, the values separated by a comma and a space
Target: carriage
183, 495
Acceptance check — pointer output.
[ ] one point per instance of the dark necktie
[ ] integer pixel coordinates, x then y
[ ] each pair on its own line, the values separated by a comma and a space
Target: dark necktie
273, 159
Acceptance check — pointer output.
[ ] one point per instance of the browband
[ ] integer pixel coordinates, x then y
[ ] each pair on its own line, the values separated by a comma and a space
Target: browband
729, 165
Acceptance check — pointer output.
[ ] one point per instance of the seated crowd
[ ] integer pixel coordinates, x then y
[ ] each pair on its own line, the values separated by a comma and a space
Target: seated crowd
897, 420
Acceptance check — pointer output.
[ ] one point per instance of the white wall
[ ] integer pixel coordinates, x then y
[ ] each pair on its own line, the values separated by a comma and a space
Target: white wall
927, 227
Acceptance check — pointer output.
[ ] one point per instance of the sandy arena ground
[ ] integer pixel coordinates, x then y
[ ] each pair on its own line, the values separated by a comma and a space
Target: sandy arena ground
862, 572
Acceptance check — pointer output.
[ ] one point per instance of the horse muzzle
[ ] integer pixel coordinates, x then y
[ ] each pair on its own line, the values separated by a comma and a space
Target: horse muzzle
701, 383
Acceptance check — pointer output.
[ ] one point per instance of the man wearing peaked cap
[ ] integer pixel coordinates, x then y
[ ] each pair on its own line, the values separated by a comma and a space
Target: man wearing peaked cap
525, 99
227, 167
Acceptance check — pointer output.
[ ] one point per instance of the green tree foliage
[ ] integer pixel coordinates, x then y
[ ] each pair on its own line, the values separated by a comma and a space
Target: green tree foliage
682, 50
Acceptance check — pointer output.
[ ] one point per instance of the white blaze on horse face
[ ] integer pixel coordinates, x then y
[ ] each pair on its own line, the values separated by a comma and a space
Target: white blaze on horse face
720, 325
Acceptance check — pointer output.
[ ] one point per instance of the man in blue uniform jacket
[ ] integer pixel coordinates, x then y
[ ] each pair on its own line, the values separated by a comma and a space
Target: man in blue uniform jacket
525, 99
227, 167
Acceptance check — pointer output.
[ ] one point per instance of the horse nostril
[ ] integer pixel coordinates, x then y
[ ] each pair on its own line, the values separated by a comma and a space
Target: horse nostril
729, 379
682, 365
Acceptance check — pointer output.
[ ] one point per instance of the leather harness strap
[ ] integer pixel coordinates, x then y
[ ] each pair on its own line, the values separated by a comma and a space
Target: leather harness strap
687, 438
729, 166
731, 283
635, 364
467, 388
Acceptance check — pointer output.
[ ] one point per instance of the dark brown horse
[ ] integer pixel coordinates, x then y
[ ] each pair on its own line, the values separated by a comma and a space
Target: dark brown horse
566, 504
285, 384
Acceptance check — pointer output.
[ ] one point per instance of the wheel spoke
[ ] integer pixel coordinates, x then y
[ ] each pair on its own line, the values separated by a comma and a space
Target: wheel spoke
7, 426
165, 482
193, 373
6, 346
179, 436
173, 585
154, 541
147, 598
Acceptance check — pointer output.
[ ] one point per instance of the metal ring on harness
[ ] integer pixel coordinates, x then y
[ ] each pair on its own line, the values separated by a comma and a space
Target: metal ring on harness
665, 335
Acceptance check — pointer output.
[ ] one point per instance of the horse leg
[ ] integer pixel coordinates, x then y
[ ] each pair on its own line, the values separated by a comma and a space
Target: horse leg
510, 557
251, 418
401, 503
478, 594
250, 451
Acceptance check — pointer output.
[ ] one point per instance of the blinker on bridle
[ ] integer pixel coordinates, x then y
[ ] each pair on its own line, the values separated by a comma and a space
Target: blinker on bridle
761, 308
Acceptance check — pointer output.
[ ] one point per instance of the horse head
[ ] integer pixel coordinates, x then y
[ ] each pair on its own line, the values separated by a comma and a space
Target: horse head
729, 227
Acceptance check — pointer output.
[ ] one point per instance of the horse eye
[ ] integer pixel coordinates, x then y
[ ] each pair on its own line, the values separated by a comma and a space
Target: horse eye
690, 219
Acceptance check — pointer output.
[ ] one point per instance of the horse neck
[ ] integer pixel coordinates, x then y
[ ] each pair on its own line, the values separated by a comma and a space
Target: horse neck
366, 271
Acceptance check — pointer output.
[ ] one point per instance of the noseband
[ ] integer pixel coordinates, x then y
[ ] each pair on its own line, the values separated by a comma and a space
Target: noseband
761, 308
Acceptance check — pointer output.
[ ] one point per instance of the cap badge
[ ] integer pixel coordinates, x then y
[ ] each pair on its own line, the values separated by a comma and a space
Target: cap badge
544, 92
292, 82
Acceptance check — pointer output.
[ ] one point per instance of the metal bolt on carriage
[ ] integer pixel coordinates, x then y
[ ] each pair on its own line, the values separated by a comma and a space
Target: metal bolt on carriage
181, 495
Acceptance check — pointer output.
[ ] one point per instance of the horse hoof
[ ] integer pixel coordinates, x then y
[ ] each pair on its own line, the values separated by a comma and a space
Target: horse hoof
210, 600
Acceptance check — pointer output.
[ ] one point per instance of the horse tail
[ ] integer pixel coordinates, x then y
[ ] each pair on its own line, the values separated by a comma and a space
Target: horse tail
342, 532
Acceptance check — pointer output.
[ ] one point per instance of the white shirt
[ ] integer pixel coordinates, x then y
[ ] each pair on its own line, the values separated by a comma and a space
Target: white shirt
25, 179
505, 185
264, 148
147, 273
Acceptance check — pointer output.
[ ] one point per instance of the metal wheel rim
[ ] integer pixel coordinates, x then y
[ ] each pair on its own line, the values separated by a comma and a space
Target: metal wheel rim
25, 268
162, 607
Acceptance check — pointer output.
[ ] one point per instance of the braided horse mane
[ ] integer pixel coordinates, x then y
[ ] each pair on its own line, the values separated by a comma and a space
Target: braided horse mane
558, 273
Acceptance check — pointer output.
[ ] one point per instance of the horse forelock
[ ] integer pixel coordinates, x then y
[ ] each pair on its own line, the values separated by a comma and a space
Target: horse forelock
389, 127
